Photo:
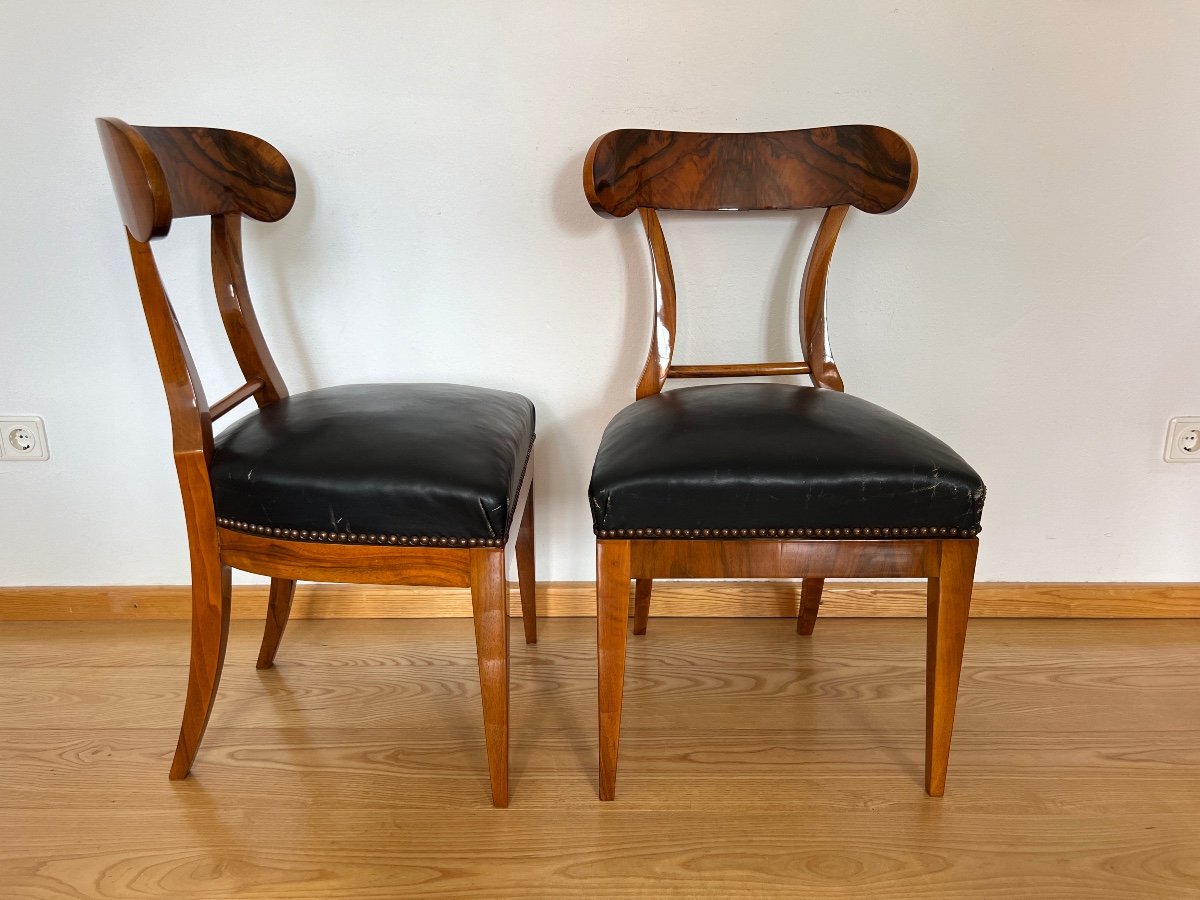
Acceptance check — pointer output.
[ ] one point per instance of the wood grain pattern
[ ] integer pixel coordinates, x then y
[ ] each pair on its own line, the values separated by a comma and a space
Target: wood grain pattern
753, 558
212, 599
612, 614
643, 587
158, 175
526, 563
489, 599
657, 369
161, 174
346, 563
814, 334
738, 370
810, 605
864, 166
237, 312
840, 599
235, 398
948, 564
946, 633
279, 610
868, 167
1074, 760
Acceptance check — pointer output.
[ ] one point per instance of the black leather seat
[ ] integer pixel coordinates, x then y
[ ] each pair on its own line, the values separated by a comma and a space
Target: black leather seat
386, 463
775, 460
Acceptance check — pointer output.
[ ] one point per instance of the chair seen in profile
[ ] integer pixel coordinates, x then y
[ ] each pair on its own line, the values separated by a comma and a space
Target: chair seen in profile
406, 484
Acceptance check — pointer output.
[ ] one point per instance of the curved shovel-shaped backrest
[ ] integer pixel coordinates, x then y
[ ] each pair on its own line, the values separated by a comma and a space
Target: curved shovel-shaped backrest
162, 174
864, 166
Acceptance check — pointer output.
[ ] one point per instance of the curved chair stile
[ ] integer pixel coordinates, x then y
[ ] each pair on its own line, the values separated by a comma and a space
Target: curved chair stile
393, 484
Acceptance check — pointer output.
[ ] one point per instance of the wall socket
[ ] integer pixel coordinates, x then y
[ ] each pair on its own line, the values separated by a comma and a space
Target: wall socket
23, 438
1183, 439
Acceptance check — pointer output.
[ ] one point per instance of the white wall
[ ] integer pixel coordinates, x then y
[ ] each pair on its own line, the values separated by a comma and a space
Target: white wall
1035, 304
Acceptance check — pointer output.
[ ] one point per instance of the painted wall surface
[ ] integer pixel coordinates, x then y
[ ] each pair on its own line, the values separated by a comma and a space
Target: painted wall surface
1035, 304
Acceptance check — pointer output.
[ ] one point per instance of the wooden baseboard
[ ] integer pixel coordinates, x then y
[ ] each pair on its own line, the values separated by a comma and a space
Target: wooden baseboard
577, 598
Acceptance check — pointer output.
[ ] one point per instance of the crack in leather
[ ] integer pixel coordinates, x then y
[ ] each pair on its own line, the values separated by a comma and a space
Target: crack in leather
420, 461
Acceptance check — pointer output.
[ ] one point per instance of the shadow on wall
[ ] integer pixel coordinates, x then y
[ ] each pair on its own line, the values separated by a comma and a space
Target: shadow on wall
284, 247
566, 442
782, 340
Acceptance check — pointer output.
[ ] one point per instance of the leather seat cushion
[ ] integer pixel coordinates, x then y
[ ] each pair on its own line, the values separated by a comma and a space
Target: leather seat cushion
775, 457
377, 460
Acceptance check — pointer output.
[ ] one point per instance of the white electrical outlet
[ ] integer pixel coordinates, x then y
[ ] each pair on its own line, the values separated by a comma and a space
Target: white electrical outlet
23, 439
1183, 439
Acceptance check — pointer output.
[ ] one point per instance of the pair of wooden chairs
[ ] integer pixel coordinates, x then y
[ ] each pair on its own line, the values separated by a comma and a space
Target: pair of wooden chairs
422, 484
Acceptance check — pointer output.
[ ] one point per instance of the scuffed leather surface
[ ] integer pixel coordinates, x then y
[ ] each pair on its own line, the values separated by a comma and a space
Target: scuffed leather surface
775, 456
441, 460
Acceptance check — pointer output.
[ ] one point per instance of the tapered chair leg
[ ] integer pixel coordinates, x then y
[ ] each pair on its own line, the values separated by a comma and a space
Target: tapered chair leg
527, 571
949, 605
641, 604
489, 601
612, 624
810, 603
211, 590
279, 607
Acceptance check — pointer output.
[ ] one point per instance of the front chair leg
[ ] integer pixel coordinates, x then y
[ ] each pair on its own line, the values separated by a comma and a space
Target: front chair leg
526, 571
949, 596
612, 624
489, 601
211, 589
641, 604
279, 607
810, 603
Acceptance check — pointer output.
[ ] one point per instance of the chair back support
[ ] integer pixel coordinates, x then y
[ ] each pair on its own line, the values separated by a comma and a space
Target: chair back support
159, 175
864, 166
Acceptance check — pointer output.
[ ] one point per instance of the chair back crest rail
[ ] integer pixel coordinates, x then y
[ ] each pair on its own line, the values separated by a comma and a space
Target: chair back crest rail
163, 174
865, 166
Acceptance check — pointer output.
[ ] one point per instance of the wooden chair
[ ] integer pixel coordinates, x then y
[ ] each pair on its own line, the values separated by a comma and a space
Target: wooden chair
770, 480
393, 484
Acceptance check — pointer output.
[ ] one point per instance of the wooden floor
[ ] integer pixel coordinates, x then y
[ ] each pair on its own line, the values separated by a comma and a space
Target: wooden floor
755, 763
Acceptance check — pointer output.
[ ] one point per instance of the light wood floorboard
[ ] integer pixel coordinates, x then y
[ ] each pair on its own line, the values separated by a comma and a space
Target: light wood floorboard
754, 763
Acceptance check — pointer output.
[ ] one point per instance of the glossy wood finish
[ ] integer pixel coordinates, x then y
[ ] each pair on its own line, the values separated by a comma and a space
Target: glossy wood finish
949, 566
1075, 755
346, 563
813, 333
489, 598
738, 370
211, 599
237, 313
235, 398
527, 569
612, 614
868, 167
642, 588
865, 166
211, 589
279, 608
770, 558
810, 605
857, 599
662, 334
160, 174
946, 630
